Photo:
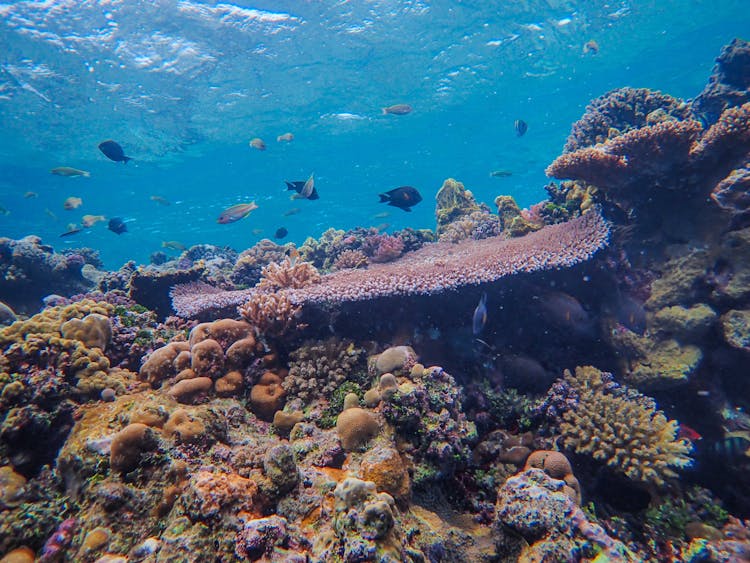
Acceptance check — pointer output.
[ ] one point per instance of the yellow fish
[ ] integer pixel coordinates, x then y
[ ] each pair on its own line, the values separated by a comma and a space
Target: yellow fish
91, 220
72, 203
236, 212
69, 172
257, 143
173, 245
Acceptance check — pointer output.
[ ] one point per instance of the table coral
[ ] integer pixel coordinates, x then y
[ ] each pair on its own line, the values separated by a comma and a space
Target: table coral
621, 428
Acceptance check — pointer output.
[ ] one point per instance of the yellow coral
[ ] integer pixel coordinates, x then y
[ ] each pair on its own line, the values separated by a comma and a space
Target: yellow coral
622, 428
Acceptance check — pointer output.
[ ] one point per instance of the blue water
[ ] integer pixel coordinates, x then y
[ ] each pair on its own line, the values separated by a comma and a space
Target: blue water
183, 86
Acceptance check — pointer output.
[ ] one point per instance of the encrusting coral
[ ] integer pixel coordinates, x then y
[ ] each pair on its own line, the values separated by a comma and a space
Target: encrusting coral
621, 428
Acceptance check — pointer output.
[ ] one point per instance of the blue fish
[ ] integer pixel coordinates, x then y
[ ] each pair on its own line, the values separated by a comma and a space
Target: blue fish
480, 315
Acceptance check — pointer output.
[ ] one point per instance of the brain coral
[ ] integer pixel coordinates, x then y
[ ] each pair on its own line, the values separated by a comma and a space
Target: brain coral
621, 427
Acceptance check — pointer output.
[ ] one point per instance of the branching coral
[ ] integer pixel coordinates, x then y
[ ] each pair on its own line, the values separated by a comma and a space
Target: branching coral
271, 314
290, 273
622, 428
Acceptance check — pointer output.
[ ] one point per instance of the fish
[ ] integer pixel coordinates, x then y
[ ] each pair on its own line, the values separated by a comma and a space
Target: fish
308, 187
688, 433
91, 220
299, 187
159, 199
382, 215
4, 211
30, 195
404, 197
257, 232
566, 313
500, 173
72, 203
732, 446
382, 227
397, 109
292, 211
50, 214
480, 315
590, 46
280, 233
72, 229
69, 172
257, 143
236, 212
521, 127
172, 245
285, 138
113, 151
117, 225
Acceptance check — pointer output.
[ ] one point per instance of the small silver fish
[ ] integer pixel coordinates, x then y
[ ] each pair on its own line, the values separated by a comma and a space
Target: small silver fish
480, 315
308, 188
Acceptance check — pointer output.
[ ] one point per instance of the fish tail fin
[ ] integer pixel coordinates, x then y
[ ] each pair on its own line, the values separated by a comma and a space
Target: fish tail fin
407, 209
86, 174
126, 159
384, 111
383, 197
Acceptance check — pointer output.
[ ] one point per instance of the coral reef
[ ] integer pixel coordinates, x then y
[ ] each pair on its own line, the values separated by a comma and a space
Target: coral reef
30, 270
619, 427
728, 84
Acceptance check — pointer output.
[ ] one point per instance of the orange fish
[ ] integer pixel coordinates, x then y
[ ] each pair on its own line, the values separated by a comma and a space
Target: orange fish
591, 46
72, 203
286, 137
257, 143
236, 212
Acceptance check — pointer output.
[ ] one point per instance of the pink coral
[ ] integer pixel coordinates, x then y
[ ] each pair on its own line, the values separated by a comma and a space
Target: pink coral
435, 268
382, 248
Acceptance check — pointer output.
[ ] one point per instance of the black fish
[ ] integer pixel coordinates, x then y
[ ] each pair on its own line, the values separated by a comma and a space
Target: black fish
521, 127
480, 315
281, 232
113, 151
117, 225
298, 186
404, 197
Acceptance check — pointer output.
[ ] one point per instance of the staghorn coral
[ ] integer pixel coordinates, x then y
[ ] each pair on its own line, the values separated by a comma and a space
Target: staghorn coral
290, 273
621, 428
350, 259
316, 370
272, 314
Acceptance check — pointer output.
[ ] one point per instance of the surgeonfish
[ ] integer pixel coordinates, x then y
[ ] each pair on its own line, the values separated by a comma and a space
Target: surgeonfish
113, 151
521, 127
480, 315
117, 225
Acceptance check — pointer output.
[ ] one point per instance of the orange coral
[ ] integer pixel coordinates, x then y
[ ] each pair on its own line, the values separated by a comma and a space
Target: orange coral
267, 396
